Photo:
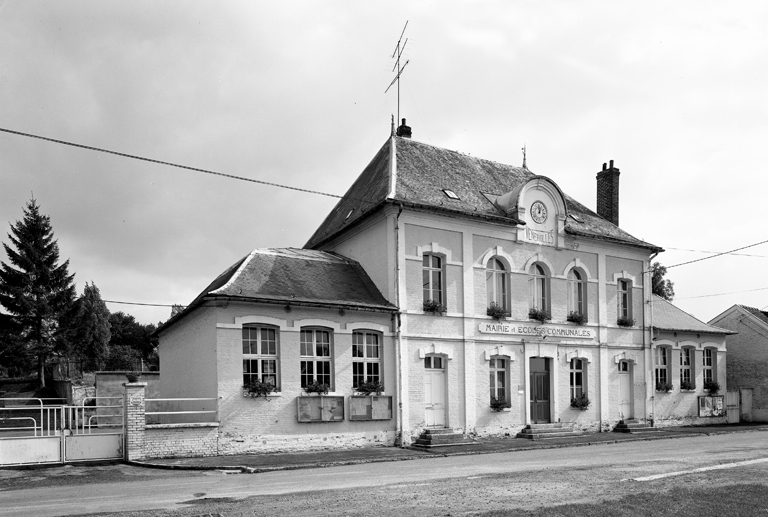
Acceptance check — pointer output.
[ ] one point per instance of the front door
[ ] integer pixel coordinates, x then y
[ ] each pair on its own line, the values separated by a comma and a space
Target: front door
434, 391
625, 391
540, 390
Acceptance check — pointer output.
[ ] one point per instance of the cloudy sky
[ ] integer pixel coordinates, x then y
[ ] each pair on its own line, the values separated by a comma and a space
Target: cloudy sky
293, 93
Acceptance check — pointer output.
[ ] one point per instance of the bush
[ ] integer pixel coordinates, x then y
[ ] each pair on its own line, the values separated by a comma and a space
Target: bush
317, 387
259, 389
664, 386
434, 307
576, 317
539, 315
580, 402
712, 387
497, 404
366, 388
496, 312
687, 385
624, 321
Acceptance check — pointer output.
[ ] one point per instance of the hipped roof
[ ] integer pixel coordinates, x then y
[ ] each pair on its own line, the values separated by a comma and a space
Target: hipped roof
294, 277
420, 172
669, 317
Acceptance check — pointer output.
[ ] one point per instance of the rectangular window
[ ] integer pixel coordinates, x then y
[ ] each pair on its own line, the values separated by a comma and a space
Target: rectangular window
624, 299
366, 357
260, 359
316, 357
432, 275
499, 376
661, 361
686, 378
578, 378
709, 375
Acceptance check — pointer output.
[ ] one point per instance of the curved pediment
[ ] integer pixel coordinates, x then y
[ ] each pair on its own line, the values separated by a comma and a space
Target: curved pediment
540, 204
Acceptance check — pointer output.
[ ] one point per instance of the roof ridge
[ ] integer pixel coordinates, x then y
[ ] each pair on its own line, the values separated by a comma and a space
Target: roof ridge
236, 274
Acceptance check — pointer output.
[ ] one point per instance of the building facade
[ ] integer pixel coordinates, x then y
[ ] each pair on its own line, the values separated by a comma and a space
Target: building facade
504, 302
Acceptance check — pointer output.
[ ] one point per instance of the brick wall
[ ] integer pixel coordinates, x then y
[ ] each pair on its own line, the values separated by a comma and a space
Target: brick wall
181, 440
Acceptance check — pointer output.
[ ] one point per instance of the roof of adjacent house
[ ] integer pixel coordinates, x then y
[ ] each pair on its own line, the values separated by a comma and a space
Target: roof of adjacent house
668, 317
757, 313
419, 177
294, 276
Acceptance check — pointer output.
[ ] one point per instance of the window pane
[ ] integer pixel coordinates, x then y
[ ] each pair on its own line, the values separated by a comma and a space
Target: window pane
357, 350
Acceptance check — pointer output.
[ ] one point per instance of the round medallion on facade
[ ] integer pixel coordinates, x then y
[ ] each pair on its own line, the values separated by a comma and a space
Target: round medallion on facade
538, 212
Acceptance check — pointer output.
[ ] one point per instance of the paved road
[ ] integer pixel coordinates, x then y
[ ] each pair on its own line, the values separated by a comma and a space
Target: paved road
611, 463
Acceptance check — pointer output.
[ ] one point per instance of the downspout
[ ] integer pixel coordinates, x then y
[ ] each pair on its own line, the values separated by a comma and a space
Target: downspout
650, 354
399, 344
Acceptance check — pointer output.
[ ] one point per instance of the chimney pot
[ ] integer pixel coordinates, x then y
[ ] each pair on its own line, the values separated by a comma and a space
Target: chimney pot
611, 162
605, 166
404, 130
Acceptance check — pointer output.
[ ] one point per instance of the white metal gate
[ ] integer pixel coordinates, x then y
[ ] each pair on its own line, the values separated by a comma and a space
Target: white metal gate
32, 432
732, 406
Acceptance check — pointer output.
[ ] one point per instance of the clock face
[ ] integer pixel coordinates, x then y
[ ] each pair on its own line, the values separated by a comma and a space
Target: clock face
539, 212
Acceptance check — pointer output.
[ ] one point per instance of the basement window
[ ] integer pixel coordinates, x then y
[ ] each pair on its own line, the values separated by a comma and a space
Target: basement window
450, 193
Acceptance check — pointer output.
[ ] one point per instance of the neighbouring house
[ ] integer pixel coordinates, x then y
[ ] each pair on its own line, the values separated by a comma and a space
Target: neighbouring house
748, 356
480, 295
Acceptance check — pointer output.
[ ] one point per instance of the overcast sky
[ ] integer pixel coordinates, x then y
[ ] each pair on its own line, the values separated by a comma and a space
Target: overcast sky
293, 93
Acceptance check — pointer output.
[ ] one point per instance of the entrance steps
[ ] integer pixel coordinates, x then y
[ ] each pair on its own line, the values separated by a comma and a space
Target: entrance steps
632, 426
439, 437
547, 431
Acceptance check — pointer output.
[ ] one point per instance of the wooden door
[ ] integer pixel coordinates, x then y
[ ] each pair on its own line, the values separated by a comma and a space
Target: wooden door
732, 406
540, 397
434, 396
625, 391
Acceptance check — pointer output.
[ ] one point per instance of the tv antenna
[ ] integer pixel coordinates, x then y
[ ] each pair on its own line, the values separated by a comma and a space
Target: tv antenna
397, 54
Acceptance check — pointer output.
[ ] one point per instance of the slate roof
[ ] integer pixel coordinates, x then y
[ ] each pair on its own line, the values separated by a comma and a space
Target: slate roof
422, 172
668, 317
761, 315
295, 276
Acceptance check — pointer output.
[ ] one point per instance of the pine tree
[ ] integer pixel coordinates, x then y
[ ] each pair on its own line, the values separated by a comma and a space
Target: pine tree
35, 289
90, 332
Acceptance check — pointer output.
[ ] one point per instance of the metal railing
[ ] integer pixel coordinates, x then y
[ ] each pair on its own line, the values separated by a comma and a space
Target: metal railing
46, 425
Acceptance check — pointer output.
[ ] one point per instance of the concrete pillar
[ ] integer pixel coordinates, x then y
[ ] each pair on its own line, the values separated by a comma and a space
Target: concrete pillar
134, 420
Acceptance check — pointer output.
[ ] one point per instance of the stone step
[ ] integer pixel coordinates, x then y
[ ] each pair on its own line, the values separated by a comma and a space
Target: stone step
547, 430
438, 431
556, 425
635, 430
441, 439
545, 436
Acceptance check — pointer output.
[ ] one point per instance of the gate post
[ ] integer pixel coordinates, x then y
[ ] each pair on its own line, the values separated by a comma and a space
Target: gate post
135, 422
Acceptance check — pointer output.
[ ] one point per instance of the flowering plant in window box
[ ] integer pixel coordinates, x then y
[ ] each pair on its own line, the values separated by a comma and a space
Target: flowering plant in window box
664, 386
581, 402
624, 321
576, 317
687, 386
539, 315
499, 404
317, 387
712, 387
258, 389
434, 307
368, 387
496, 312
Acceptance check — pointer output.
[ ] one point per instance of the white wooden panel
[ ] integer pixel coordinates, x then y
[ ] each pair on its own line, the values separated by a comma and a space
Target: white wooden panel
30, 450
93, 447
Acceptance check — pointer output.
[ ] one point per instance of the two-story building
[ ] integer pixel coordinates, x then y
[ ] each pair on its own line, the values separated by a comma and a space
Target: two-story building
500, 301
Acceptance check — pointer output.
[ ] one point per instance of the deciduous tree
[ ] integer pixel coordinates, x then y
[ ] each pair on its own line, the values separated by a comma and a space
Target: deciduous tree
660, 286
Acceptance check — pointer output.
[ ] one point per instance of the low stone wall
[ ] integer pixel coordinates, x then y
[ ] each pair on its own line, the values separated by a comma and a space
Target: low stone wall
181, 440
304, 442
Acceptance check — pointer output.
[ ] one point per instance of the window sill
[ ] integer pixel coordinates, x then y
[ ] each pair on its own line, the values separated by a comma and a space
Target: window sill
329, 394
688, 391
382, 394
269, 395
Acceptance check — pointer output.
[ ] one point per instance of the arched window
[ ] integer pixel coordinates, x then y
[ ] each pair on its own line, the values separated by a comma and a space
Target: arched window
316, 356
366, 357
261, 346
624, 299
496, 284
539, 288
432, 278
577, 295
687, 373
661, 364
709, 365
499, 370
578, 379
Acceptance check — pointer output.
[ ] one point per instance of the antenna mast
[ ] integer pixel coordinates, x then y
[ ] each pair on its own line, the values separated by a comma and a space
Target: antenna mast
396, 54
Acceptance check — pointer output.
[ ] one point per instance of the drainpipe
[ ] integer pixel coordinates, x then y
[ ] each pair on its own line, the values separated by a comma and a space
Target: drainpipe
649, 359
398, 340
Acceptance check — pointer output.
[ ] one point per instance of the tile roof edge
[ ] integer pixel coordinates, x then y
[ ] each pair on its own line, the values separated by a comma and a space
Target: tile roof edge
637, 243
307, 302
717, 330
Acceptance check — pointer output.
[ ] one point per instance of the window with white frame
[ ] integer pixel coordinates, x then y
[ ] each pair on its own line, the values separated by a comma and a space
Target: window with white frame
260, 355
432, 276
661, 367
499, 371
578, 373
710, 358
624, 309
496, 284
577, 293
316, 357
687, 375
539, 288
366, 357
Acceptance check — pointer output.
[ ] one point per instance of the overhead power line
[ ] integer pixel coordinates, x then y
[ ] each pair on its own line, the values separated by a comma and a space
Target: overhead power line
170, 164
722, 294
717, 255
715, 252
146, 304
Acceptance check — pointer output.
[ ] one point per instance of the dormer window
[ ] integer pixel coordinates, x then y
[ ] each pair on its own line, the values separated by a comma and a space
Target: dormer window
450, 193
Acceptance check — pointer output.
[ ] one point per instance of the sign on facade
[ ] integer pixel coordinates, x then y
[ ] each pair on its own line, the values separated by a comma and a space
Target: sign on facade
516, 329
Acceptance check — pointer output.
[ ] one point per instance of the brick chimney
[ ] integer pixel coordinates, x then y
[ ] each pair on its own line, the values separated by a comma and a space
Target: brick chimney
404, 131
608, 193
